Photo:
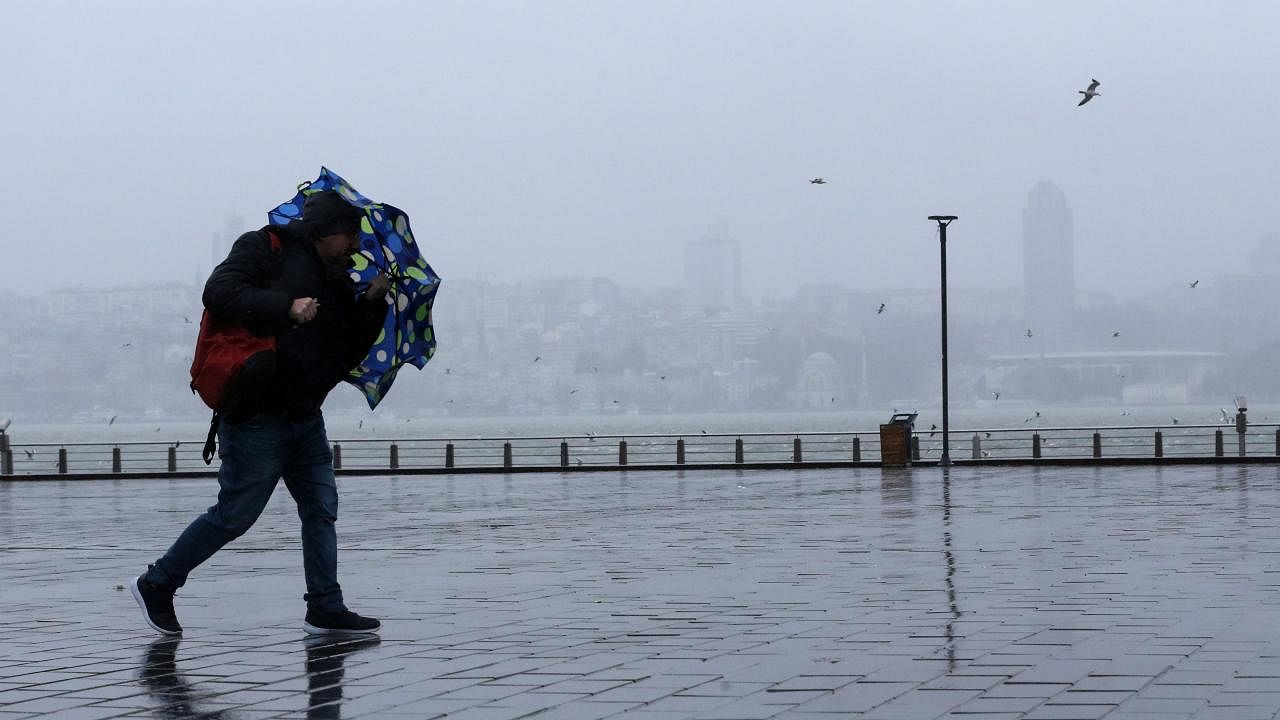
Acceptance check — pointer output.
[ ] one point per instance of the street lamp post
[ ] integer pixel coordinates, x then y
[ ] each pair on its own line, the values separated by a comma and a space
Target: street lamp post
943, 221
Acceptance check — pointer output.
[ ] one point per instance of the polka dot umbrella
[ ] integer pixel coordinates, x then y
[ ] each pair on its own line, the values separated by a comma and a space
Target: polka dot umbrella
387, 246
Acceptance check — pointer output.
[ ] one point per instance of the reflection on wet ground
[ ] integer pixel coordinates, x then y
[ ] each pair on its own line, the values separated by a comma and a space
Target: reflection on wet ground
912, 593
174, 696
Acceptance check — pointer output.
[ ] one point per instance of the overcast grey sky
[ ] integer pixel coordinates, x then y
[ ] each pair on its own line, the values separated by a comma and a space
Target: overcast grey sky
545, 138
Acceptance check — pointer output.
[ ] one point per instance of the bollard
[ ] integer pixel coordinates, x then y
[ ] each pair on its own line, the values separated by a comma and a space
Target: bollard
680, 451
977, 446
915, 448
173, 459
1277, 442
857, 448
1035, 446
62, 461
564, 453
1097, 445
1159, 444
622, 452
796, 456
1217, 443
506, 455
395, 456
1242, 424
448, 455
337, 456
6, 454
737, 451
115, 460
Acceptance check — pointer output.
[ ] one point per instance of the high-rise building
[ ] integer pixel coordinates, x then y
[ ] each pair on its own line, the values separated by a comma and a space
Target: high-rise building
713, 272
233, 226
1048, 262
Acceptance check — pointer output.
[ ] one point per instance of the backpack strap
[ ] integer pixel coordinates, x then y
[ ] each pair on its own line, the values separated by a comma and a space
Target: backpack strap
211, 441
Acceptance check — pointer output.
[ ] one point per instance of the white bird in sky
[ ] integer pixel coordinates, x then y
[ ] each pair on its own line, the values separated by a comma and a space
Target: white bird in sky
1089, 93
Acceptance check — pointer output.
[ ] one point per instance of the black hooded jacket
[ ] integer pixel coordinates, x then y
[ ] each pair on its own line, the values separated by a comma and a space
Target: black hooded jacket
256, 286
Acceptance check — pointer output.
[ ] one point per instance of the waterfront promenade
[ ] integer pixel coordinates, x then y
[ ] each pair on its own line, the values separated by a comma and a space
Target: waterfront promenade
982, 592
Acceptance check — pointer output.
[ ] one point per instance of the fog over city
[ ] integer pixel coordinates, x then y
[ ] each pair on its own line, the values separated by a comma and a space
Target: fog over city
623, 191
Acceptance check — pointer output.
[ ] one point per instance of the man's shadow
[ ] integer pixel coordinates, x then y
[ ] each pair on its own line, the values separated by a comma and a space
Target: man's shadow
325, 659
166, 686
178, 700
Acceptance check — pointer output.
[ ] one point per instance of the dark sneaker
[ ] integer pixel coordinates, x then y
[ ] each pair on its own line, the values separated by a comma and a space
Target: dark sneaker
319, 622
157, 606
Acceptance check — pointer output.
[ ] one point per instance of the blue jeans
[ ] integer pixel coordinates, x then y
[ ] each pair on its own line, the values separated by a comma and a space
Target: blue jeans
255, 454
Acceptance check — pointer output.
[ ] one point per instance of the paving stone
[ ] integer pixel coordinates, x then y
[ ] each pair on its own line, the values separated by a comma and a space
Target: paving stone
984, 592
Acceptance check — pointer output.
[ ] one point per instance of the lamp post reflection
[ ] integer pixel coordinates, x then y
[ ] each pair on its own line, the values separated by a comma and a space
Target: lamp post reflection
949, 578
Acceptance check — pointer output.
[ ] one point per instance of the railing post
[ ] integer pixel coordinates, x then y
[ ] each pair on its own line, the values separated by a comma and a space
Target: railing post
1097, 445
395, 456
448, 455
1217, 443
506, 455
1159, 444
173, 459
737, 451
915, 448
857, 448
680, 451
62, 461
977, 446
564, 453
115, 461
1277, 442
796, 456
622, 452
6, 454
337, 456
1035, 446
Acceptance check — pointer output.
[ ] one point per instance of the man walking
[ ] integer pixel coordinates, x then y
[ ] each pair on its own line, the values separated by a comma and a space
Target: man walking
299, 291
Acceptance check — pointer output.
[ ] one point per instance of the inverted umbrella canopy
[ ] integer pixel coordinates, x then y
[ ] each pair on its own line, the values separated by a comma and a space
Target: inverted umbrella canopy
387, 247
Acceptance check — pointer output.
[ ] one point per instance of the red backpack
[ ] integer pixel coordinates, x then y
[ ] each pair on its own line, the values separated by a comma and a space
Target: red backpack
230, 365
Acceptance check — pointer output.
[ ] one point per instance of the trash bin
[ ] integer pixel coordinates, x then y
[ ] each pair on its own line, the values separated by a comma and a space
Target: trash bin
895, 440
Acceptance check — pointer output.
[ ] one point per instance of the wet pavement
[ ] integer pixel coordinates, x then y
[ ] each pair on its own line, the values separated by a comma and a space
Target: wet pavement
979, 593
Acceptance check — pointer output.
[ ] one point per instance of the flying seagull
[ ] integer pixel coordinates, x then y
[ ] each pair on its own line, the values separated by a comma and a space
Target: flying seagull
881, 309
1028, 332
1089, 92
1115, 334
996, 394
818, 181
1194, 284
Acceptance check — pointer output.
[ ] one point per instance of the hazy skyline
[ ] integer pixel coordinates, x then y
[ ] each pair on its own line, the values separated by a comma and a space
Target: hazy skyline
577, 138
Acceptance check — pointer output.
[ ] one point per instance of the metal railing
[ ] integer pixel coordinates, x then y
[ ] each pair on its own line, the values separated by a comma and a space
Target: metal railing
1146, 443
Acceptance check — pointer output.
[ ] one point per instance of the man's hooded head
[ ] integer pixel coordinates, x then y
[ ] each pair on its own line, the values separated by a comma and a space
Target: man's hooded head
327, 213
